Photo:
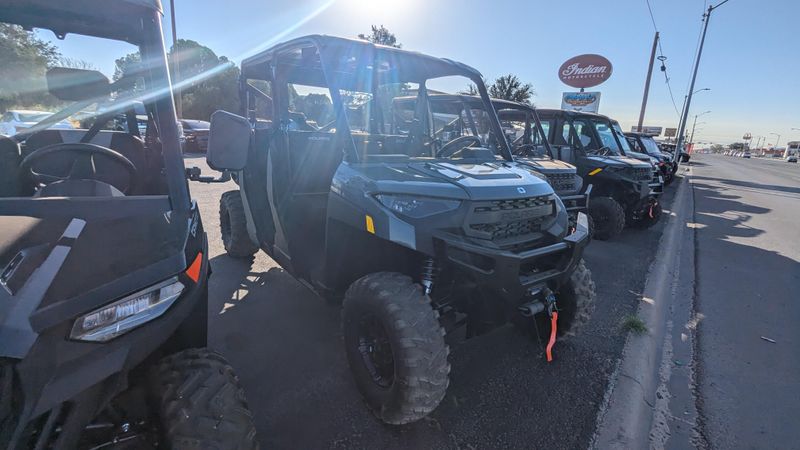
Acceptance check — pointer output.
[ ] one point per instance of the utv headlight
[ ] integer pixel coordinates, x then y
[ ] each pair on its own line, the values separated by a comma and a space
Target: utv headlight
124, 315
417, 207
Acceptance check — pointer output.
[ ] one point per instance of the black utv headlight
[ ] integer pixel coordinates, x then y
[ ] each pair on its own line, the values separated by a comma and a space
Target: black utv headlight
417, 207
123, 315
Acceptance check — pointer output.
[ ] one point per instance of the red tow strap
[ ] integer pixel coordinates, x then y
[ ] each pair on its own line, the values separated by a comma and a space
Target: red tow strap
553, 330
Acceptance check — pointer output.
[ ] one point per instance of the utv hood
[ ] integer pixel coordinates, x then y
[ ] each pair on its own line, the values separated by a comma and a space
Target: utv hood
53, 269
547, 165
476, 181
618, 161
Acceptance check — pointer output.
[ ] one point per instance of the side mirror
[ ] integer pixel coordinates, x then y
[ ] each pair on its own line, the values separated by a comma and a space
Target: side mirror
228, 141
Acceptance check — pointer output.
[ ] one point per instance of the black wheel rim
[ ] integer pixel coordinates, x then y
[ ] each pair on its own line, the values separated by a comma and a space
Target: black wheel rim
376, 351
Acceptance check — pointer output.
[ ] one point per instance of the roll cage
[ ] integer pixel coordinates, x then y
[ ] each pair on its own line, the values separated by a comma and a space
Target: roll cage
341, 65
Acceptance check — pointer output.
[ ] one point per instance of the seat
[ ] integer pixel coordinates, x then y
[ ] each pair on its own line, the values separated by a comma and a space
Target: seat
10, 180
129, 146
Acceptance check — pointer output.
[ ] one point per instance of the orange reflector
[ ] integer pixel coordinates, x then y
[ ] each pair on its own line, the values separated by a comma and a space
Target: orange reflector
193, 271
553, 329
595, 171
370, 224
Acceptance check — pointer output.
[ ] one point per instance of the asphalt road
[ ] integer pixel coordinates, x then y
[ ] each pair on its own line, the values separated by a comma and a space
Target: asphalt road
748, 275
287, 347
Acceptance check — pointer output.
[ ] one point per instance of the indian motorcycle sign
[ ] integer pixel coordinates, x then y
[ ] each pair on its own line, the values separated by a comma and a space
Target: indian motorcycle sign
585, 71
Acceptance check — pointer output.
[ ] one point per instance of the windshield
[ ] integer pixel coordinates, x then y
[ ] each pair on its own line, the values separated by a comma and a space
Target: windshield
626, 148
650, 145
59, 98
605, 133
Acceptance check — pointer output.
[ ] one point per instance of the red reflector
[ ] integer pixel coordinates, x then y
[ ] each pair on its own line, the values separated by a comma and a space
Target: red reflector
553, 331
193, 271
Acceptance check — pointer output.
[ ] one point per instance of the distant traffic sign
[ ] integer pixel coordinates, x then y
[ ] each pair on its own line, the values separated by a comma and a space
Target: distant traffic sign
652, 131
670, 132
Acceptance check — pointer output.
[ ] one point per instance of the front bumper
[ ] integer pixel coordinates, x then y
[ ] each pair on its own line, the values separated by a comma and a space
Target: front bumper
513, 275
578, 202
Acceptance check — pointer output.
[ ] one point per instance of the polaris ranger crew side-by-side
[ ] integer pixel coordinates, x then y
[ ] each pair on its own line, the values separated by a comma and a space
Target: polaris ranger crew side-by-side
644, 143
624, 189
417, 234
103, 256
454, 116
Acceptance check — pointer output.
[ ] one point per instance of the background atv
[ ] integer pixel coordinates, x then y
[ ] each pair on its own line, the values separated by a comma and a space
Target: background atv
644, 143
624, 189
417, 235
460, 115
104, 268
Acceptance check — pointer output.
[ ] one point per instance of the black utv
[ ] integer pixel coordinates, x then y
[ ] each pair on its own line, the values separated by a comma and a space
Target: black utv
103, 258
454, 116
624, 189
644, 143
419, 235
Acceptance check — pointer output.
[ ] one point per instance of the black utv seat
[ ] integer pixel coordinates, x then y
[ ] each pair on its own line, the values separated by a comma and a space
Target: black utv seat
129, 146
10, 182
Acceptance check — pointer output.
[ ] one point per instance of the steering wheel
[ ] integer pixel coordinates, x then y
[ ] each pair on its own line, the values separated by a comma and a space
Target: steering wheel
83, 167
457, 144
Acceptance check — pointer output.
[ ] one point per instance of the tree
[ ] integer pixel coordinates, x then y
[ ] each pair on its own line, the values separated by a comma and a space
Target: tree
509, 87
25, 61
381, 35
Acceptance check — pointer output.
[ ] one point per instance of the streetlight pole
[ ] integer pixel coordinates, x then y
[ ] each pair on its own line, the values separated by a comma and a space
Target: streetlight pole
691, 139
175, 62
706, 18
647, 82
680, 119
778, 140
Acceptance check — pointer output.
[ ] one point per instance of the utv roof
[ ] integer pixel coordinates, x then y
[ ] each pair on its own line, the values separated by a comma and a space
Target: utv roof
112, 19
470, 99
343, 56
567, 112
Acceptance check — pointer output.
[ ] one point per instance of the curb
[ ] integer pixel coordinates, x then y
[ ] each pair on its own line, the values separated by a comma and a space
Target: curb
626, 419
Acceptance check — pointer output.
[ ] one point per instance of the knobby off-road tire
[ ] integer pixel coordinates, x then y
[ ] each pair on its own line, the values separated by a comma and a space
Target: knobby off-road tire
200, 403
414, 384
233, 225
608, 217
575, 301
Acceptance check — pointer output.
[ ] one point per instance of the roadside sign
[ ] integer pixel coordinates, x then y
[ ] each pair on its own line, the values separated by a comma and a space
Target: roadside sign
652, 131
670, 132
585, 71
581, 101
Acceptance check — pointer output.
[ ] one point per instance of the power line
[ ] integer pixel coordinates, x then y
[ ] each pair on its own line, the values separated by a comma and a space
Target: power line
662, 58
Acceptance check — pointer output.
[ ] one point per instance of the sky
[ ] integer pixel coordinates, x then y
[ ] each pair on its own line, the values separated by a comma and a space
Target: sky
750, 63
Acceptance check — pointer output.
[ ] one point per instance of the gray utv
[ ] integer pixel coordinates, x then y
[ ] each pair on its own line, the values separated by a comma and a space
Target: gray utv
625, 190
416, 235
103, 257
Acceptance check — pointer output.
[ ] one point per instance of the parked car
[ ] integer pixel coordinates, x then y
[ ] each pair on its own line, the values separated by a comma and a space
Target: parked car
15, 121
195, 134
746, 155
791, 158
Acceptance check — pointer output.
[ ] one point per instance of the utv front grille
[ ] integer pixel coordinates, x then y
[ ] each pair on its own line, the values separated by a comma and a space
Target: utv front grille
503, 221
562, 182
641, 173
508, 205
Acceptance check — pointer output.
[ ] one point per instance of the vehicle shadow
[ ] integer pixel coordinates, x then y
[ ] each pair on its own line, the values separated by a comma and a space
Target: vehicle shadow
743, 292
752, 185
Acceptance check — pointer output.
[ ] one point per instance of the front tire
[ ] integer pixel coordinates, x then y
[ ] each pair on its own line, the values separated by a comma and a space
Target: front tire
200, 403
575, 301
608, 217
233, 226
649, 218
395, 347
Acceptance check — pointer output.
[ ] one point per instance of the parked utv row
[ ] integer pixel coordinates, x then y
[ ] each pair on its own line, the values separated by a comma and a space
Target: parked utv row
421, 213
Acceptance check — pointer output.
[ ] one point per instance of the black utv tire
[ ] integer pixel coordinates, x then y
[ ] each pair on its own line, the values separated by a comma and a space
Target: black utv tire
395, 347
646, 221
233, 225
575, 301
200, 403
608, 217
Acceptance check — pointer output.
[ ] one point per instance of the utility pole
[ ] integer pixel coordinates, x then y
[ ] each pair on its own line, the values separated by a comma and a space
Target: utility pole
647, 82
175, 62
706, 19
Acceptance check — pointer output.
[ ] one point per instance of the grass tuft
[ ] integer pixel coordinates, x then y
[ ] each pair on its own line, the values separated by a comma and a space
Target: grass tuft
633, 324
